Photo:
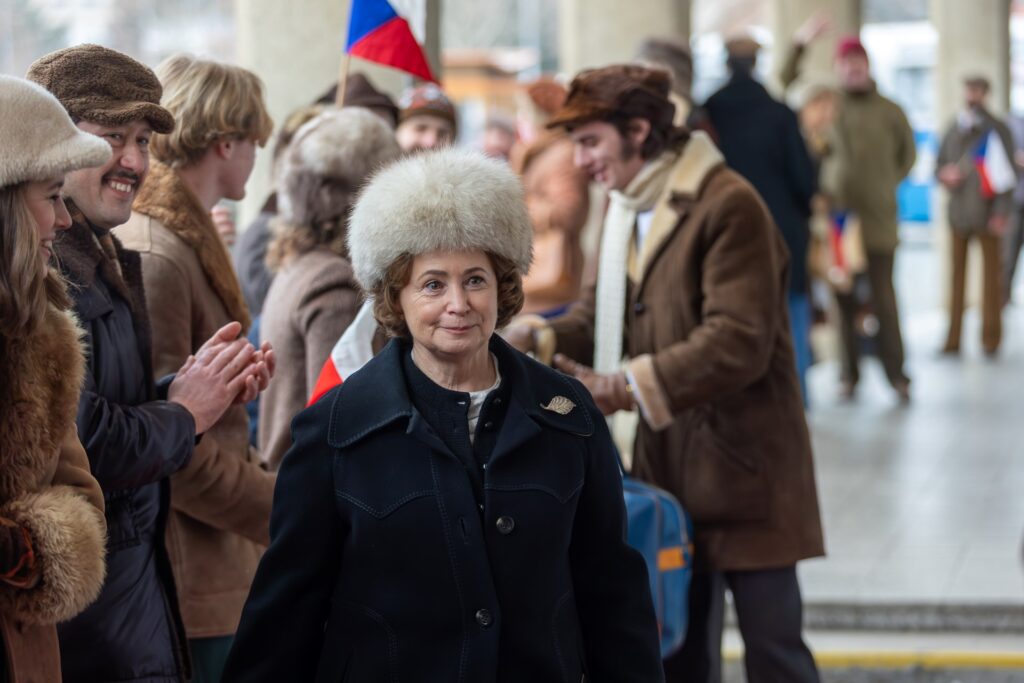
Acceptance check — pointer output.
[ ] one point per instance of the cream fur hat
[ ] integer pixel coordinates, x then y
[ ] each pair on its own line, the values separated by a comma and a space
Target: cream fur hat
37, 138
448, 199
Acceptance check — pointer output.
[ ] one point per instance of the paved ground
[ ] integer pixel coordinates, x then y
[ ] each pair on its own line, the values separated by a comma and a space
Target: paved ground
923, 503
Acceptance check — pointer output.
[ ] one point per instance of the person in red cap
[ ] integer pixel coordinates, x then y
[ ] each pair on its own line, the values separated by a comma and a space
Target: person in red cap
870, 150
688, 325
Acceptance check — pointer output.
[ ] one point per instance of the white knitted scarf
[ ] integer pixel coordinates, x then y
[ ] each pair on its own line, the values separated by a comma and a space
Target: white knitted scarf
640, 195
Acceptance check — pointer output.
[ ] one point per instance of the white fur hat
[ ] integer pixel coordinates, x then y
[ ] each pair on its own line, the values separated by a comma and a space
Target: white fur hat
329, 160
37, 138
448, 199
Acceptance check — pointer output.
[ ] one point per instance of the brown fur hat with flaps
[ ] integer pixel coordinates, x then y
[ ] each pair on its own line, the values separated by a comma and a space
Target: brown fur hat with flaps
620, 90
104, 86
449, 200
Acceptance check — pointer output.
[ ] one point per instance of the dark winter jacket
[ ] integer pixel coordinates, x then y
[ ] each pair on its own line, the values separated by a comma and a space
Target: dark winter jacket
134, 442
383, 565
761, 140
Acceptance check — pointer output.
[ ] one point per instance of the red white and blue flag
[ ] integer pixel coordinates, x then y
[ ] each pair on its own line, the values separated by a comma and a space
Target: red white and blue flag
993, 165
377, 33
351, 352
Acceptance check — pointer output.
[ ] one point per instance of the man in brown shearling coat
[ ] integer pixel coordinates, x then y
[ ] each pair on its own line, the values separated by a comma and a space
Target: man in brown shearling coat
692, 292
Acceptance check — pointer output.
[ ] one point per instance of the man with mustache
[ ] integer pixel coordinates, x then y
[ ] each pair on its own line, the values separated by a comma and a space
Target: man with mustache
135, 432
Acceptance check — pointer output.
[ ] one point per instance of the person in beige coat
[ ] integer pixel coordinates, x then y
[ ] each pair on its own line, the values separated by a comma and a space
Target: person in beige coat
314, 296
52, 528
220, 503
691, 291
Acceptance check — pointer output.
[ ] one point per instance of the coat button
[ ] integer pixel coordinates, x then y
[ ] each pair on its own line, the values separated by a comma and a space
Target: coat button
505, 525
638, 307
488, 425
497, 401
484, 618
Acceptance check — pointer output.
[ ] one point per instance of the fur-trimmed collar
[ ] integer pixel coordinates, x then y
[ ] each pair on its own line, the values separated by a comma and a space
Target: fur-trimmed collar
81, 259
165, 198
697, 161
40, 380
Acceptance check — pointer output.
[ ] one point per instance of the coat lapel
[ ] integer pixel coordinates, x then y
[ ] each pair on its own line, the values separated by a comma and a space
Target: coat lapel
699, 158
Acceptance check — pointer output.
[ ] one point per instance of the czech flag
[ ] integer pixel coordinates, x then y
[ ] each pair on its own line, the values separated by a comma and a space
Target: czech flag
994, 167
378, 34
351, 352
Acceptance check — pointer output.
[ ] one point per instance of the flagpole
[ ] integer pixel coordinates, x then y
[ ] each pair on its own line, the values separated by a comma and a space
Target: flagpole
339, 98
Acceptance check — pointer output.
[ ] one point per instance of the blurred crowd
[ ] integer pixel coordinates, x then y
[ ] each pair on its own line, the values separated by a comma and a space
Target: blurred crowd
155, 357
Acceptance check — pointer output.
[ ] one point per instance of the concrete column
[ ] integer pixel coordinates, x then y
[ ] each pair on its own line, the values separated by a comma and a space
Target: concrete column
973, 38
597, 32
296, 48
788, 15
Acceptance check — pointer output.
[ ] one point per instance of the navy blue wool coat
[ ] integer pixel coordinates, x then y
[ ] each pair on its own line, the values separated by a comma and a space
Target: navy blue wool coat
386, 565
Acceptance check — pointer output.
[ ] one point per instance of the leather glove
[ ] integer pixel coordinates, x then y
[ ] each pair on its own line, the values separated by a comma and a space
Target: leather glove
610, 390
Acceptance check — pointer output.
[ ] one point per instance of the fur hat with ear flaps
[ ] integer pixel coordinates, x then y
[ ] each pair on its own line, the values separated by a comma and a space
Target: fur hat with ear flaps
328, 160
450, 200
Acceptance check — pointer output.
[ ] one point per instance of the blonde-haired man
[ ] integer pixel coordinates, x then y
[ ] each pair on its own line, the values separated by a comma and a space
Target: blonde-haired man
220, 503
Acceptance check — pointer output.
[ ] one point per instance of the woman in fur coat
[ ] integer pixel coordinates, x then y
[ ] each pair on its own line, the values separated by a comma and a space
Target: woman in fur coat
314, 296
52, 529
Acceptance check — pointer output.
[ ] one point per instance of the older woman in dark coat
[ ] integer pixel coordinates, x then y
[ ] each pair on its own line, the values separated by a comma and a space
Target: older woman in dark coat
453, 511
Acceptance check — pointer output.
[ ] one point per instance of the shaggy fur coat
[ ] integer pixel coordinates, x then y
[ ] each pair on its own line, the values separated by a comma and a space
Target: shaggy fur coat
40, 379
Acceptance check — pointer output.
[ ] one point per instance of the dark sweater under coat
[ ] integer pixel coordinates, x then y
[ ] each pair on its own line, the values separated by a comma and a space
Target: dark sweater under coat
761, 140
386, 565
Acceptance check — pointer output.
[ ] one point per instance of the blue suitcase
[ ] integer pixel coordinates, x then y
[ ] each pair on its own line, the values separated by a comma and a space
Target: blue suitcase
663, 533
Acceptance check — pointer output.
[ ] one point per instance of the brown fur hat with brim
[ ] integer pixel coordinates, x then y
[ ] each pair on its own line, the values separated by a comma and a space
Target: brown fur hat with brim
617, 91
104, 86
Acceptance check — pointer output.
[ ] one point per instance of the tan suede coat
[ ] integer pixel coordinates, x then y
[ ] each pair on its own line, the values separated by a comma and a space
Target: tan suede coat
39, 385
707, 335
311, 302
220, 503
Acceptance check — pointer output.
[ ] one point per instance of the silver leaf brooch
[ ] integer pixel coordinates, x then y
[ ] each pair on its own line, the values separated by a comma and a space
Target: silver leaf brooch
560, 405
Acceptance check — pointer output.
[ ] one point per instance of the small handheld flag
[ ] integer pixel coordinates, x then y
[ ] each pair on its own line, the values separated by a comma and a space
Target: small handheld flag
378, 34
352, 351
995, 171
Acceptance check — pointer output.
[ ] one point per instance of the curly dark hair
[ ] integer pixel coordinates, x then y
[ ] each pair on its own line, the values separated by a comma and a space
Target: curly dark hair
388, 310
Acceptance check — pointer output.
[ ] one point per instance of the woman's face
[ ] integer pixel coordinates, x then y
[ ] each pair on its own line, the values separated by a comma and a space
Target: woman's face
450, 303
45, 205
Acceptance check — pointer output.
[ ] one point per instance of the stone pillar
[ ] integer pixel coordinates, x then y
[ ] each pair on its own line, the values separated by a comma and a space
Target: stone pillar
786, 18
297, 52
597, 32
973, 39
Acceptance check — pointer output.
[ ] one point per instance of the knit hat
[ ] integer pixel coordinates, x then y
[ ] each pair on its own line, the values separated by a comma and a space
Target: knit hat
447, 199
628, 90
98, 84
426, 99
850, 45
38, 138
328, 160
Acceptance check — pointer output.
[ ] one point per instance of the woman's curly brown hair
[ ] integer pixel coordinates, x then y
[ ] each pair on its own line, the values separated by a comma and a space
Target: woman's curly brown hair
388, 310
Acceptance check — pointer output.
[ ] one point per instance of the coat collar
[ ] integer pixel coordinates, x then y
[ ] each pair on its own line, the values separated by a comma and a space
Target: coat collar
377, 396
697, 162
165, 198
